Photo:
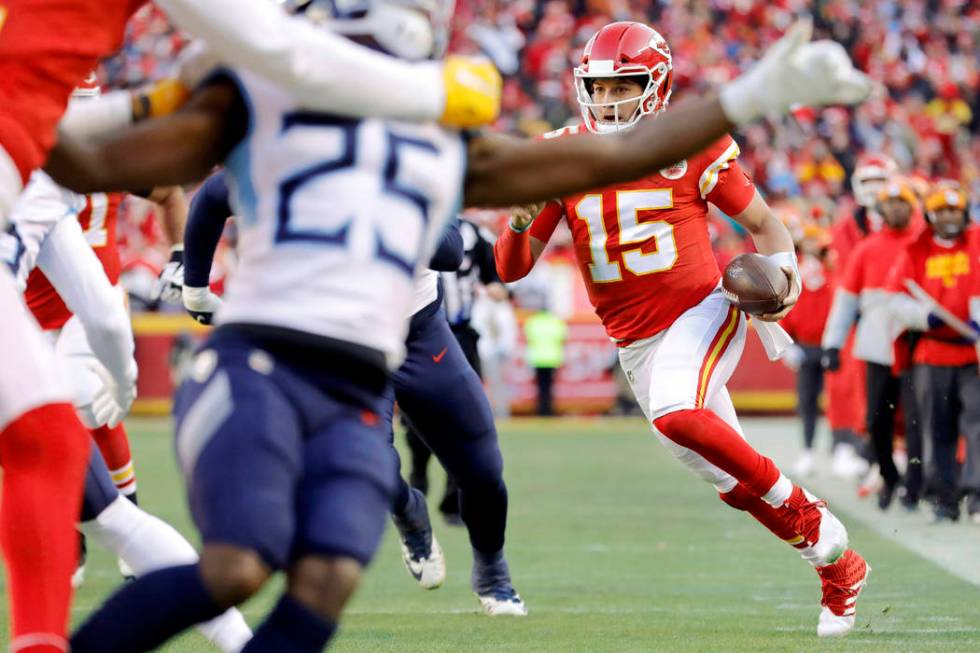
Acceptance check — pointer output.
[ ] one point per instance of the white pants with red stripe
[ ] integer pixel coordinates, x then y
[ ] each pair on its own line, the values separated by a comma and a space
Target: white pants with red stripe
29, 375
686, 367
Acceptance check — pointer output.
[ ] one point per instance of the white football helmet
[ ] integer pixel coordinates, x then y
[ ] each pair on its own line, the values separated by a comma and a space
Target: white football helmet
407, 29
870, 176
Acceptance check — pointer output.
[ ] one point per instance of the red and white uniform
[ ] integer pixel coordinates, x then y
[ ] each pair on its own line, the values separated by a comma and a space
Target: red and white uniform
644, 252
98, 221
47, 48
948, 272
47, 232
862, 290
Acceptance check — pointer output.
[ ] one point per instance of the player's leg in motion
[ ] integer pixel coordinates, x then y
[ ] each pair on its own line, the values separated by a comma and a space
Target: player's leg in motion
443, 398
271, 461
113, 443
421, 552
43, 449
146, 543
692, 415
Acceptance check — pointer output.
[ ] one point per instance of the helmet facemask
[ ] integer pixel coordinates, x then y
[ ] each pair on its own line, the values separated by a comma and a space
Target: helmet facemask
650, 102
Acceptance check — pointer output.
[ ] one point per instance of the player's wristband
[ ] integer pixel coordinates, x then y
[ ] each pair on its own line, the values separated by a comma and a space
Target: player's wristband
519, 230
788, 260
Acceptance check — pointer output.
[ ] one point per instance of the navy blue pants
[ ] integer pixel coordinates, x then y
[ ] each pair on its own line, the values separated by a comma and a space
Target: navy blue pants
444, 401
100, 491
282, 452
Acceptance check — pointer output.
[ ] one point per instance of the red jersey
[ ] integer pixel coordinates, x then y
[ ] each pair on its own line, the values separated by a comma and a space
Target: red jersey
98, 221
869, 264
47, 48
948, 272
808, 317
643, 247
845, 236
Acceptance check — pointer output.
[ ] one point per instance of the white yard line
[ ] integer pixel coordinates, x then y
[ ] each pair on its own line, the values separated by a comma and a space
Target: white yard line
954, 547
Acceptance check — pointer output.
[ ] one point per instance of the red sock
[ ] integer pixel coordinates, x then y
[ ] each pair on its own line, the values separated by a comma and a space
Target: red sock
773, 519
702, 431
114, 446
44, 454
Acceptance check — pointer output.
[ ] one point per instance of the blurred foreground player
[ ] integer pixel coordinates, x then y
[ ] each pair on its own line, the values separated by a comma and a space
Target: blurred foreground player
645, 255
439, 394
944, 261
96, 354
862, 298
46, 48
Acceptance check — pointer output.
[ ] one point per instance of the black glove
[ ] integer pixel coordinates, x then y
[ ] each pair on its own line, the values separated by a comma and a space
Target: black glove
830, 359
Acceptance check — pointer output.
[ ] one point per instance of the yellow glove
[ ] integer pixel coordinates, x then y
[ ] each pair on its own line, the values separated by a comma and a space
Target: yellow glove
161, 99
472, 92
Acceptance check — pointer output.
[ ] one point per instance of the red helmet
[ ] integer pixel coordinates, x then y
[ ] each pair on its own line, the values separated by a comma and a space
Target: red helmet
625, 49
871, 173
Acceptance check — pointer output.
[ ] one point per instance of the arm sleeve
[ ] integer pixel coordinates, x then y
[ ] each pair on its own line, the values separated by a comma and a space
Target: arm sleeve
205, 222
98, 115
71, 266
722, 181
512, 250
324, 71
449, 254
843, 312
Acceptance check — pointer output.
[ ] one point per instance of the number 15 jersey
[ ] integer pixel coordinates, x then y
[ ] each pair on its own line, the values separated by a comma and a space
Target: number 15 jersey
643, 247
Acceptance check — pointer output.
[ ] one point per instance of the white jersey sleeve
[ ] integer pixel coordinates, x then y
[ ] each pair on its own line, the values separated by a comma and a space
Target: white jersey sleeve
41, 206
71, 266
321, 70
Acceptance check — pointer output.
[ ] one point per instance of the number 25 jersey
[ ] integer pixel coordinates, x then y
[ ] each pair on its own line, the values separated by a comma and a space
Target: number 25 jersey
643, 247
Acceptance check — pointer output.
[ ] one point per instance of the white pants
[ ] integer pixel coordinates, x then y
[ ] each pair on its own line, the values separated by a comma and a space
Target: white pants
78, 363
29, 375
686, 367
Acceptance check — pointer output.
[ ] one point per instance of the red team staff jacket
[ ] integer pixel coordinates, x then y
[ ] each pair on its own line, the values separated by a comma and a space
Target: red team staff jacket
643, 247
47, 48
98, 221
949, 273
805, 323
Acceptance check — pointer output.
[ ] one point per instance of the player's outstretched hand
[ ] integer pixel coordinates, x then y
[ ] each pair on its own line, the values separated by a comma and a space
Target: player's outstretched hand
201, 303
473, 87
521, 217
792, 297
170, 283
795, 71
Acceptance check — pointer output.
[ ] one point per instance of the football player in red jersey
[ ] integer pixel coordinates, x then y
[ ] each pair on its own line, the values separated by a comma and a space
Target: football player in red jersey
859, 299
644, 253
46, 48
943, 260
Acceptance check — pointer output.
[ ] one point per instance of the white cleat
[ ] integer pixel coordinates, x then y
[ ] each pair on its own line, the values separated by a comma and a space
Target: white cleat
847, 463
424, 560
805, 464
842, 583
125, 570
507, 603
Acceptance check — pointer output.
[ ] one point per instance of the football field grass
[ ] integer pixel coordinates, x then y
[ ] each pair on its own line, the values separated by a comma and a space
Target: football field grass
614, 547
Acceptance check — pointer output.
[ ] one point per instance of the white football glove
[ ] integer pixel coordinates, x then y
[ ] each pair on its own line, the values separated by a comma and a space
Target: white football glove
201, 303
113, 400
168, 285
794, 71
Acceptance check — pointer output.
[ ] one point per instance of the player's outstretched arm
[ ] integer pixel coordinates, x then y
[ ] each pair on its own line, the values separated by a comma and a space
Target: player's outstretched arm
328, 72
504, 172
177, 149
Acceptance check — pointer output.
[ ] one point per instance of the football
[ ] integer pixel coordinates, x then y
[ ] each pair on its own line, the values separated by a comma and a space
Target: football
755, 284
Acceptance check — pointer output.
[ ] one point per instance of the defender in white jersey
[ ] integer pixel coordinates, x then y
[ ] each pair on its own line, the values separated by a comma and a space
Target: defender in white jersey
281, 409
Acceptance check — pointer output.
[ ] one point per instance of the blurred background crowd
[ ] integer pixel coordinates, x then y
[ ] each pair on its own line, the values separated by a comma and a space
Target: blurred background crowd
925, 114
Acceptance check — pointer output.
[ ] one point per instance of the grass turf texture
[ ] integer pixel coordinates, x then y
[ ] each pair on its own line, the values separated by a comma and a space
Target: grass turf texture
615, 547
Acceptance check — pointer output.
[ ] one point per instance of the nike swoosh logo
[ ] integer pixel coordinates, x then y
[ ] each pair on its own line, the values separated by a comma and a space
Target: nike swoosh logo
438, 359
416, 574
